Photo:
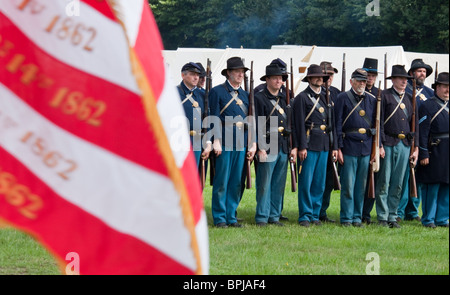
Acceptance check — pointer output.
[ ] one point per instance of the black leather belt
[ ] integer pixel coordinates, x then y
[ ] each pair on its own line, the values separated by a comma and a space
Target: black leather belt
369, 131
401, 135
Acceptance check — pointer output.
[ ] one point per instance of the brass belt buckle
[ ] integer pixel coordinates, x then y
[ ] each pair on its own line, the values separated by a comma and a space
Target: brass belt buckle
280, 129
323, 127
362, 130
239, 125
401, 136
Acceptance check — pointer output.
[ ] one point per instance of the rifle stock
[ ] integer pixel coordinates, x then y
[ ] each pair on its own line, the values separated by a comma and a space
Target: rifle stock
331, 159
251, 129
205, 115
212, 159
293, 96
412, 174
374, 164
292, 167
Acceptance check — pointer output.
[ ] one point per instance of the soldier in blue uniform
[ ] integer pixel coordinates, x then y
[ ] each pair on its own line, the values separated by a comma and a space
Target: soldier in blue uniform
192, 100
371, 67
420, 71
273, 149
409, 207
283, 67
312, 144
396, 136
355, 117
433, 169
334, 92
229, 103
202, 77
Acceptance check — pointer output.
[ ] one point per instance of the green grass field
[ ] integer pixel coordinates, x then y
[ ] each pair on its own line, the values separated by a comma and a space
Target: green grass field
289, 250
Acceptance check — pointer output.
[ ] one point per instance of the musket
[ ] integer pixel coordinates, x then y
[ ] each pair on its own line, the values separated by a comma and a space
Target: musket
343, 74
245, 80
374, 164
205, 115
293, 96
331, 160
252, 128
385, 71
436, 73
412, 173
289, 131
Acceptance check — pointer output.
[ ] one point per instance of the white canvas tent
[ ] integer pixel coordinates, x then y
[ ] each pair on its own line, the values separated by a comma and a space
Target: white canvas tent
301, 56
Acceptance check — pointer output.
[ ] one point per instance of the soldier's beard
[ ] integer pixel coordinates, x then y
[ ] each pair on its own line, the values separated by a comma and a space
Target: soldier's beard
420, 81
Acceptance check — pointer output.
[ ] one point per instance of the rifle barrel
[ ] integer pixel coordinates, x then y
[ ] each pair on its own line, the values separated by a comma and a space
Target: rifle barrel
343, 74
412, 175
251, 131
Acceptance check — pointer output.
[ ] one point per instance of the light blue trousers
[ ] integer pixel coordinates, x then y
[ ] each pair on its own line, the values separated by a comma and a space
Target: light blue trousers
353, 187
435, 203
270, 184
409, 206
227, 186
390, 180
197, 155
311, 185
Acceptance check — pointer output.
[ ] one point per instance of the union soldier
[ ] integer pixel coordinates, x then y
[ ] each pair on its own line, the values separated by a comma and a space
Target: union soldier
202, 77
355, 116
312, 144
192, 100
396, 136
420, 71
432, 172
334, 92
283, 67
371, 67
409, 206
230, 103
270, 107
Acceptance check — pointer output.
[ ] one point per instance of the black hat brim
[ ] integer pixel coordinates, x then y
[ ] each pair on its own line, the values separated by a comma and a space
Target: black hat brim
400, 76
428, 68
224, 71
284, 76
325, 77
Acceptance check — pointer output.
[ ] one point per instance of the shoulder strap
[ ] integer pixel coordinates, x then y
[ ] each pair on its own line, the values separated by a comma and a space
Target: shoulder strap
399, 102
444, 106
356, 106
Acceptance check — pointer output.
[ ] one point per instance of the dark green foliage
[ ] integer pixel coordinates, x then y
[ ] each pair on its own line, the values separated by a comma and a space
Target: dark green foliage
421, 26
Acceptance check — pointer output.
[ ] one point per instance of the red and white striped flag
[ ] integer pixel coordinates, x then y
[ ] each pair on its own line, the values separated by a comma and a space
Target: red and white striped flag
86, 161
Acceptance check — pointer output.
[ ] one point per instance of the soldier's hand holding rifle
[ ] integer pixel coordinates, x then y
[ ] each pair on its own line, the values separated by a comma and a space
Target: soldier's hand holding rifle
251, 152
206, 151
293, 154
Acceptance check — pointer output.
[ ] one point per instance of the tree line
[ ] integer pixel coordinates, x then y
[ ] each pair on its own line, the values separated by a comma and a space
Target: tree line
417, 25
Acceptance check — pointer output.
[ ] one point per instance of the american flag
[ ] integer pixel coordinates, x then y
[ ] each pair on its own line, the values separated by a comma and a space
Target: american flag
86, 160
